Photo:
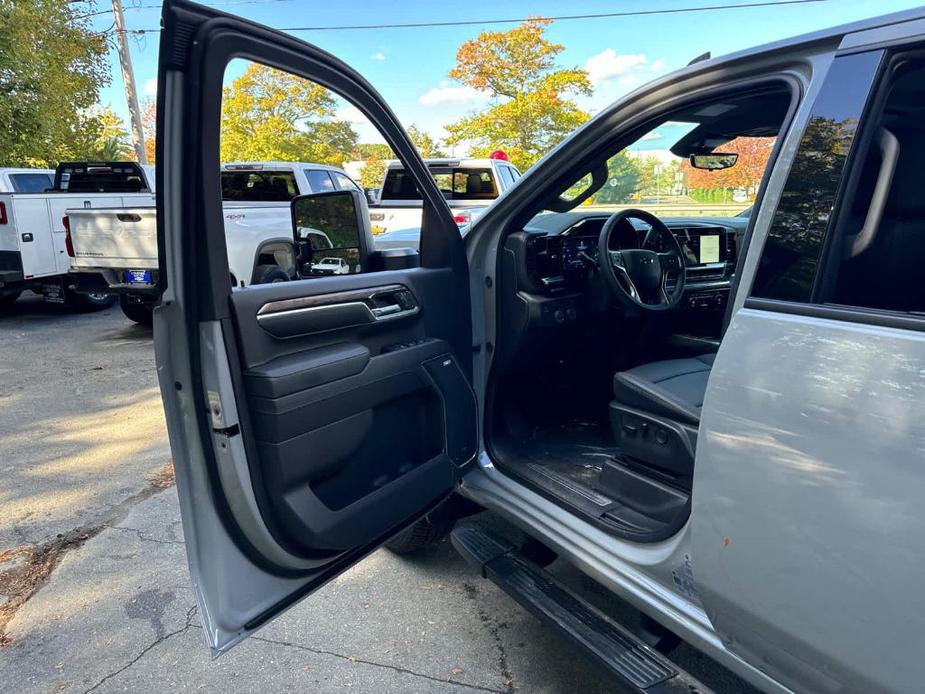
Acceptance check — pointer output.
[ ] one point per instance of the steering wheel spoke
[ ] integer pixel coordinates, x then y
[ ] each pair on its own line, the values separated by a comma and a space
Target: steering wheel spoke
670, 261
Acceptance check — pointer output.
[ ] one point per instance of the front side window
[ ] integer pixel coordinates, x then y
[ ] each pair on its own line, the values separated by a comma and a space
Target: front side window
319, 180
790, 256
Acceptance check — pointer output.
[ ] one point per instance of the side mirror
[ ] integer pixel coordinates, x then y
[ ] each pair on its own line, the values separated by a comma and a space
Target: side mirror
331, 233
372, 195
714, 161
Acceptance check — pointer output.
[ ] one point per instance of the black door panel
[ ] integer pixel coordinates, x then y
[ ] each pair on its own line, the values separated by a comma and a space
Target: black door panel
356, 426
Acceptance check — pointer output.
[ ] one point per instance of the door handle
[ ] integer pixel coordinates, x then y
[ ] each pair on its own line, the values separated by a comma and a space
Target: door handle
323, 312
383, 311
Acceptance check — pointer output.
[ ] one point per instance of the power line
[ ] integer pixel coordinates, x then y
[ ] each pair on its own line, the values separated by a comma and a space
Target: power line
567, 17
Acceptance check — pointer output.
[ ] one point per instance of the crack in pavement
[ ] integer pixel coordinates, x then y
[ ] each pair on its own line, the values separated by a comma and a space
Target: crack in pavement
288, 644
395, 668
190, 613
146, 538
25, 578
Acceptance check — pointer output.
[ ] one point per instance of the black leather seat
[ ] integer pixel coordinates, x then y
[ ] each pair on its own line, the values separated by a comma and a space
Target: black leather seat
673, 388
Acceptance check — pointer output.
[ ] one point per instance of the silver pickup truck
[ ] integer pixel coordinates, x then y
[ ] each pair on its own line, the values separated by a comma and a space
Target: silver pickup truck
718, 419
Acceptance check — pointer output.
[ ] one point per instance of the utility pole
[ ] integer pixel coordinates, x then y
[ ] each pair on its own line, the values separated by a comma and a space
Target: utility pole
128, 79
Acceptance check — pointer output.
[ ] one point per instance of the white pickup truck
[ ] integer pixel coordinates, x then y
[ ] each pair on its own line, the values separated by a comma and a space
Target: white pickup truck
469, 186
33, 246
120, 244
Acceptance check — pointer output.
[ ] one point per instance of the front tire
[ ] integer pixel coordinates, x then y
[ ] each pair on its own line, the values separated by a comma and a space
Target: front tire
7, 299
270, 274
90, 302
137, 312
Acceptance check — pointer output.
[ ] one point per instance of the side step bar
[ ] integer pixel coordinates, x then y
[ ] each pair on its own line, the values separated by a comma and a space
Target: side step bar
638, 667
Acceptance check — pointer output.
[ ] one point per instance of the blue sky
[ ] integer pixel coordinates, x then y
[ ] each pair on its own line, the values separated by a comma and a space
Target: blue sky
409, 66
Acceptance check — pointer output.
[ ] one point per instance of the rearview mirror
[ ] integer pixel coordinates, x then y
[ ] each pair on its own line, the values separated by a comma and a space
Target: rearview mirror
331, 232
714, 161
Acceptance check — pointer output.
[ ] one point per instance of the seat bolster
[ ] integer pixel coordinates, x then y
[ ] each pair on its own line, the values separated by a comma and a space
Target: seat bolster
646, 395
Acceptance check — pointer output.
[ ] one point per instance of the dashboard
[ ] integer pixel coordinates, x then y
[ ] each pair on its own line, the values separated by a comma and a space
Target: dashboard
556, 256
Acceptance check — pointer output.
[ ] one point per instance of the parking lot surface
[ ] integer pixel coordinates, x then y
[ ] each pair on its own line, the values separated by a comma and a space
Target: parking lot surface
94, 589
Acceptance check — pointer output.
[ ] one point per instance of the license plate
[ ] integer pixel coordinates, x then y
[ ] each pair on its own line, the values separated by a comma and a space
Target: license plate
53, 293
138, 277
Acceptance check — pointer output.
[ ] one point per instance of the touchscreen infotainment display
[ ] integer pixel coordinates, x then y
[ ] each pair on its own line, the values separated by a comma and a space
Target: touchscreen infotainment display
701, 246
709, 249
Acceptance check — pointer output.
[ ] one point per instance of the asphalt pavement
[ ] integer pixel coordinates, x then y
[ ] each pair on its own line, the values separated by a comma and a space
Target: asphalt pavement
94, 589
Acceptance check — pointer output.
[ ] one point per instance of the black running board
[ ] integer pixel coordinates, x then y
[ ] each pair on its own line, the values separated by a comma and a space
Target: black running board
637, 666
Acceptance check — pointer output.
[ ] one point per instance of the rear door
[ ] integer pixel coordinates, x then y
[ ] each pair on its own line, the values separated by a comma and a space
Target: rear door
309, 420
807, 519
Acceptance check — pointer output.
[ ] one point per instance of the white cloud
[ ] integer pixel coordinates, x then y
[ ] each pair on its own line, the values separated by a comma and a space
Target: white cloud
378, 55
627, 67
652, 135
447, 94
150, 87
608, 63
351, 114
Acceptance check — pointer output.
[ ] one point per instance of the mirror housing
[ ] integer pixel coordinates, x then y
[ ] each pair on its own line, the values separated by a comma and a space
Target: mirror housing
331, 232
714, 161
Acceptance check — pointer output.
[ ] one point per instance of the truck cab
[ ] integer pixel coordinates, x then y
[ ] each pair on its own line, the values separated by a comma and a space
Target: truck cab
467, 185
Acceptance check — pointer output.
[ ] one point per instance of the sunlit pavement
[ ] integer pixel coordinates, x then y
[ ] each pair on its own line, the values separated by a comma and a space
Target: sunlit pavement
84, 448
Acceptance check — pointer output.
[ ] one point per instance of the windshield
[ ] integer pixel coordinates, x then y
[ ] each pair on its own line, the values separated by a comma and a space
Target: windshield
455, 184
259, 186
649, 176
114, 177
705, 160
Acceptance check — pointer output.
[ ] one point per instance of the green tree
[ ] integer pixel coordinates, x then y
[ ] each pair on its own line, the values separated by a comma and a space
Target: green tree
426, 145
623, 174
530, 110
372, 173
52, 66
268, 114
657, 178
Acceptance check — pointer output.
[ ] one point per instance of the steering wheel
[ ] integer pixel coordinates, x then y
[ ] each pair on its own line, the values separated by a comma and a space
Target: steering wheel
639, 276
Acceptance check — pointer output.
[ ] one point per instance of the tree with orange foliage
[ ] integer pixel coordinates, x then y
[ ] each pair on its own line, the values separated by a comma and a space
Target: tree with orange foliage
531, 109
149, 125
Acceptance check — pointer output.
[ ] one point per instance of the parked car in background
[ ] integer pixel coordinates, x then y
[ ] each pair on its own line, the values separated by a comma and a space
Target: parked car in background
33, 236
468, 185
26, 180
331, 266
114, 249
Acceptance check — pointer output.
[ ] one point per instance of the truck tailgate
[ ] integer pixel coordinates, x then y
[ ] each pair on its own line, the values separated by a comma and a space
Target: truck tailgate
124, 238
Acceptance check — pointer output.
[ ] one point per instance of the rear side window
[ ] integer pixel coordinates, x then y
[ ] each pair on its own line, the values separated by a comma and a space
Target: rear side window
258, 186
31, 182
790, 258
319, 180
